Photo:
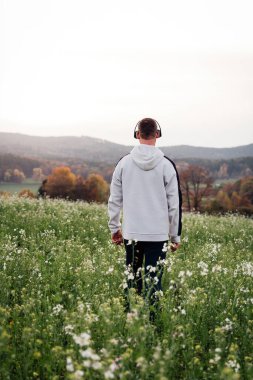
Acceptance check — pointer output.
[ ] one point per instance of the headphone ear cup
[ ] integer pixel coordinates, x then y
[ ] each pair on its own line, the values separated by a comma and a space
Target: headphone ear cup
136, 129
159, 133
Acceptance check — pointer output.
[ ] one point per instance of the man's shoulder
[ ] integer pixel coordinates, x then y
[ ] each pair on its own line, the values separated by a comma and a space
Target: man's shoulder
169, 161
172, 165
123, 158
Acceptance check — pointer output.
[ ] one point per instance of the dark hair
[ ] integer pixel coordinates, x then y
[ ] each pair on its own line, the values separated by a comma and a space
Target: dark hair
147, 128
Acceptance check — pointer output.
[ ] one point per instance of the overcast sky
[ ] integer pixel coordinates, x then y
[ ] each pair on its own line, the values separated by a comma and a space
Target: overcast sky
94, 68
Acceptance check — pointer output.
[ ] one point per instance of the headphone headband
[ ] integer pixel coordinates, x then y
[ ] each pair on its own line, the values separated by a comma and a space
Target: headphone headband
158, 128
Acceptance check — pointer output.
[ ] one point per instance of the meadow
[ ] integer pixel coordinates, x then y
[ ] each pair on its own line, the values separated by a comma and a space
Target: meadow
62, 310
14, 188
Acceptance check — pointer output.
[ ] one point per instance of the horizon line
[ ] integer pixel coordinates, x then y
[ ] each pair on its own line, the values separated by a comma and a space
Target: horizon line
127, 145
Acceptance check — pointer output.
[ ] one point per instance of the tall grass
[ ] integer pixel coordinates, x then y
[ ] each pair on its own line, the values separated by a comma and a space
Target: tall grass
62, 308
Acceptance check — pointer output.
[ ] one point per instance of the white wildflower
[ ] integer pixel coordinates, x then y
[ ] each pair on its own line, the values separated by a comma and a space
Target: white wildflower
247, 268
114, 341
216, 268
132, 315
69, 329
124, 284
89, 354
78, 375
82, 340
80, 307
57, 309
138, 273
165, 247
87, 363
228, 326
151, 269
69, 365
108, 374
96, 365
233, 364
159, 293
204, 268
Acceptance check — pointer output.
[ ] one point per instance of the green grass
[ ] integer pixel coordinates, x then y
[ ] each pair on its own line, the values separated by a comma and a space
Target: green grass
15, 188
62, 308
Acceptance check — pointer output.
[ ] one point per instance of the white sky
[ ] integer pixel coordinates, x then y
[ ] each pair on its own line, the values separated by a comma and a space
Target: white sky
94, 68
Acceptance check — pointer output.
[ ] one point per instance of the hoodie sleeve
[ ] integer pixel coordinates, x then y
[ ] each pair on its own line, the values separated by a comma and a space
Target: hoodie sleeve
174, 199
115, 200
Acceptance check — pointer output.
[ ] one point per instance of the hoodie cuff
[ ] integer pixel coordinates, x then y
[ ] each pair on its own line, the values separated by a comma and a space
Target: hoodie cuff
175, 239
114, 230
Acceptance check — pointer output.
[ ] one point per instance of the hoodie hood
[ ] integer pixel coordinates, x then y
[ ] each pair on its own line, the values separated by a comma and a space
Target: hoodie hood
147, 157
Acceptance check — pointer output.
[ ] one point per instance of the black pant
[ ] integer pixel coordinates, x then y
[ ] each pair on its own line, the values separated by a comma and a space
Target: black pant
152, 251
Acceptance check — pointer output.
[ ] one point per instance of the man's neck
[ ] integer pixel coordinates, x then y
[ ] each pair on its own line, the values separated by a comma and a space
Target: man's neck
148, 142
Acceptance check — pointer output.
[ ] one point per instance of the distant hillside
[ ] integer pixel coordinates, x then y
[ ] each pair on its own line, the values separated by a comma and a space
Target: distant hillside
97, 150
186, 151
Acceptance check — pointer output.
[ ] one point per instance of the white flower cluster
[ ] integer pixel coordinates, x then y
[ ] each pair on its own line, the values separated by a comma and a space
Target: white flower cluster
57, 309
233, 364
184, 274
130, 242
151, 269
128, 272
247, 268
69, 329
165, 247
203, 267
131, 316
109, 373
217, 356
180, 310
228, 326
82, 340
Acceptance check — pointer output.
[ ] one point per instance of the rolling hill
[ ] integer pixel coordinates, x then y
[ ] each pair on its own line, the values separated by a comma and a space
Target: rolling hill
98, 150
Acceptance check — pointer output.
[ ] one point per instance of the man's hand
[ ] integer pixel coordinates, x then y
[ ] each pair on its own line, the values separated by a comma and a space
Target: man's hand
117, 238
174, 246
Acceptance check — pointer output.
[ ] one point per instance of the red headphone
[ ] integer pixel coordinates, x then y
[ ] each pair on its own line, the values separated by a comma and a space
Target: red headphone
136, 129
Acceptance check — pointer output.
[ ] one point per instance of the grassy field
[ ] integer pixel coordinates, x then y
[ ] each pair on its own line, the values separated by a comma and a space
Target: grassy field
62, 308
13, 188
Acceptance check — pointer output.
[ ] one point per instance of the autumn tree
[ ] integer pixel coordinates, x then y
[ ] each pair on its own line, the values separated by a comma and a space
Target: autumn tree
246, 189
26, 193
61, 183
38, 174
221, 203
196, 184
96, 189
79, 191
234, 197
14, 175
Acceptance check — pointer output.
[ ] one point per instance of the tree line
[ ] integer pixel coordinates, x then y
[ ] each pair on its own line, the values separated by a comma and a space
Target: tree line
219, 169
91, 183
63, 183
200, 193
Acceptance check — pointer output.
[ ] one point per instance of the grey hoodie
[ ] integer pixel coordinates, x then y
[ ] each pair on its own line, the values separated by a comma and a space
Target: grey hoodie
145, 185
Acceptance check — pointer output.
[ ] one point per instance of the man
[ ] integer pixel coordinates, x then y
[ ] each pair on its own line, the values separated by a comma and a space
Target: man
145, 185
